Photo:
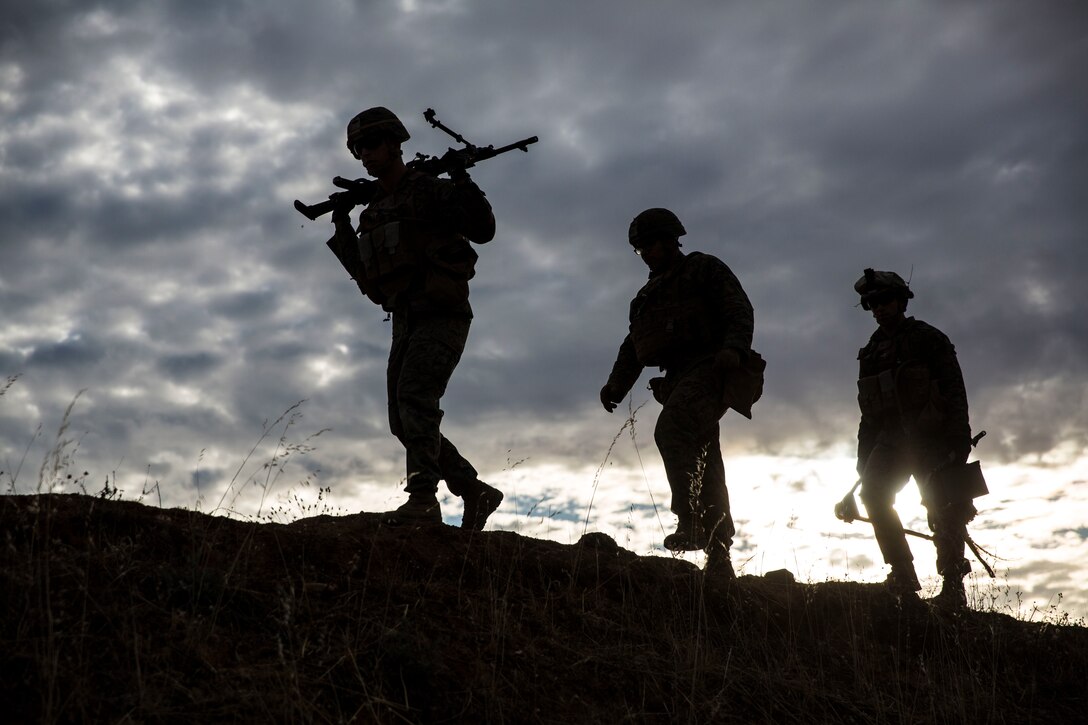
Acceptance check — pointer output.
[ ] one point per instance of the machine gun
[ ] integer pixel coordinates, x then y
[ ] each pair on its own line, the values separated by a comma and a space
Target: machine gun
357, 192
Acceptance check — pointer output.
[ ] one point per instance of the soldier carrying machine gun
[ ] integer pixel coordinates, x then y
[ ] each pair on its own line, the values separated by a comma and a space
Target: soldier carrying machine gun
411, 252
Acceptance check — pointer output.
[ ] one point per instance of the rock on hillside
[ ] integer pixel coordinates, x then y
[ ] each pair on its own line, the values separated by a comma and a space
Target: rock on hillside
115, 611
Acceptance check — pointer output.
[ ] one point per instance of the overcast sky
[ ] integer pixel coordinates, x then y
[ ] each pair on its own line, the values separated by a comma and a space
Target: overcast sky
150, 255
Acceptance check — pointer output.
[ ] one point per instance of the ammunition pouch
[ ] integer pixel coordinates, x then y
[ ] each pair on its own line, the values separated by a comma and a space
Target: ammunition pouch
660, 388
393, 255
743, 385
877, 396
913, 387
956, 483
388, 253
348, 255
908, 391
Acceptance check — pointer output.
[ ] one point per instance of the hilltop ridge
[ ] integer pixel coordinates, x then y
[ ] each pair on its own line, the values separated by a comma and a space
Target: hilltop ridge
117, 611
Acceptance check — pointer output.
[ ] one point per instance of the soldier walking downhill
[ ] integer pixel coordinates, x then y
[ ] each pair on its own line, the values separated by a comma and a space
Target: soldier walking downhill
692, 320
914, 422
411, 254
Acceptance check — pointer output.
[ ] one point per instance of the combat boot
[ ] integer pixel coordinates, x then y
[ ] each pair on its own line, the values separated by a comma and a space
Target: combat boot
953, 594
902, 581
687, 537
481, 501
719, 566
421, 509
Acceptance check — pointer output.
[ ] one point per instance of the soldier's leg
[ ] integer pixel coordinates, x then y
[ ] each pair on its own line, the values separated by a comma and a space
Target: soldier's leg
949, 526
433, 349
948, 521
717, 519
454, 468
397, 350
687, 437
424, 354
422, 506
480, 499
886, 473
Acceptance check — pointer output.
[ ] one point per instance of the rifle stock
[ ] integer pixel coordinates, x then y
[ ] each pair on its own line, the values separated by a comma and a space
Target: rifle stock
356, 192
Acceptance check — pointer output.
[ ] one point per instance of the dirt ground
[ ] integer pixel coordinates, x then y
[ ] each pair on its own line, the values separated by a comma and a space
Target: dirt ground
114, 611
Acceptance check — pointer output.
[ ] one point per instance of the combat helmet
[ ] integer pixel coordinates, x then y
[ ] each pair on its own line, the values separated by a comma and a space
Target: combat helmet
375, 120
874, 284
653, 223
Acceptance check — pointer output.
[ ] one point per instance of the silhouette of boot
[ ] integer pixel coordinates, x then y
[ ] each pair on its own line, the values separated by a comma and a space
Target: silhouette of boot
718, 564
420, 509
902, 580
953, 594
687, 537
481, 501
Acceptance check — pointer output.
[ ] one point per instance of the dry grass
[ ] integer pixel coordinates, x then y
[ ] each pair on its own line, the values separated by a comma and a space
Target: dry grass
118, 611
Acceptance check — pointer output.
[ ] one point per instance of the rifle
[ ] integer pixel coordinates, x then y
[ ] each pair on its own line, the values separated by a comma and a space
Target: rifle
847, 510
360, 191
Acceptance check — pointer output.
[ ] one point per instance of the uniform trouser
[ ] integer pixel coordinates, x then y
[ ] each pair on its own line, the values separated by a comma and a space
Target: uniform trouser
687, 435
423, 355
890, 465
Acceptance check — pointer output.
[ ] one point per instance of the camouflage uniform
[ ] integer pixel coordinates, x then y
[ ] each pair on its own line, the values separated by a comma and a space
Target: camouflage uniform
914, 422
680, 320
411, 255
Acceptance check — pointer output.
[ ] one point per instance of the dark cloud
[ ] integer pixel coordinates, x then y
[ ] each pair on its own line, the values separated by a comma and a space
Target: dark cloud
71, 353
188, 366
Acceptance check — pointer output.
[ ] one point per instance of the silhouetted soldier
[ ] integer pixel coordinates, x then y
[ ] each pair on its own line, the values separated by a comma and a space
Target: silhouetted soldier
693, 321
411, 255
914, 422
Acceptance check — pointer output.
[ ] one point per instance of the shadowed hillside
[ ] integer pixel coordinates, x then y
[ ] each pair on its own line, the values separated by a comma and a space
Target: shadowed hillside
116, 611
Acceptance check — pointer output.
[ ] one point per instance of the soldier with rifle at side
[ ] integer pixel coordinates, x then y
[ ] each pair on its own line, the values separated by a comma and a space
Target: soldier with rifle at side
410, 254
693, 321
914, 422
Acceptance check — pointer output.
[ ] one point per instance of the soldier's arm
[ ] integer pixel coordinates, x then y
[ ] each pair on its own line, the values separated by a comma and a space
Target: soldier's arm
344, 244
625, 371
466, 210
867, 433
868, 429
945, 370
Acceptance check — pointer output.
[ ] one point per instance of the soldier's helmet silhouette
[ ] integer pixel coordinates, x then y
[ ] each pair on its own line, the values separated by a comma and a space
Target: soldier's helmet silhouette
876, 284
374, 121
653, 223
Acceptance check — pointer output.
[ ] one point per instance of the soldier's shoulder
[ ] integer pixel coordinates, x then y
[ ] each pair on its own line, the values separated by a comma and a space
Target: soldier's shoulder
919, 327
418, 179
706, 265
928, 334
703, 259
875, 339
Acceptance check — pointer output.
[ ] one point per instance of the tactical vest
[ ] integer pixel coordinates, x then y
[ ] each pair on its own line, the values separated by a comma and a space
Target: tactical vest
403, 253
670, 321
895, 384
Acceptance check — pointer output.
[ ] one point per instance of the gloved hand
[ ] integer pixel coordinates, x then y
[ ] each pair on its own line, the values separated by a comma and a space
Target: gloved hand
609, 397
726, 359
455, 165
341, 213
